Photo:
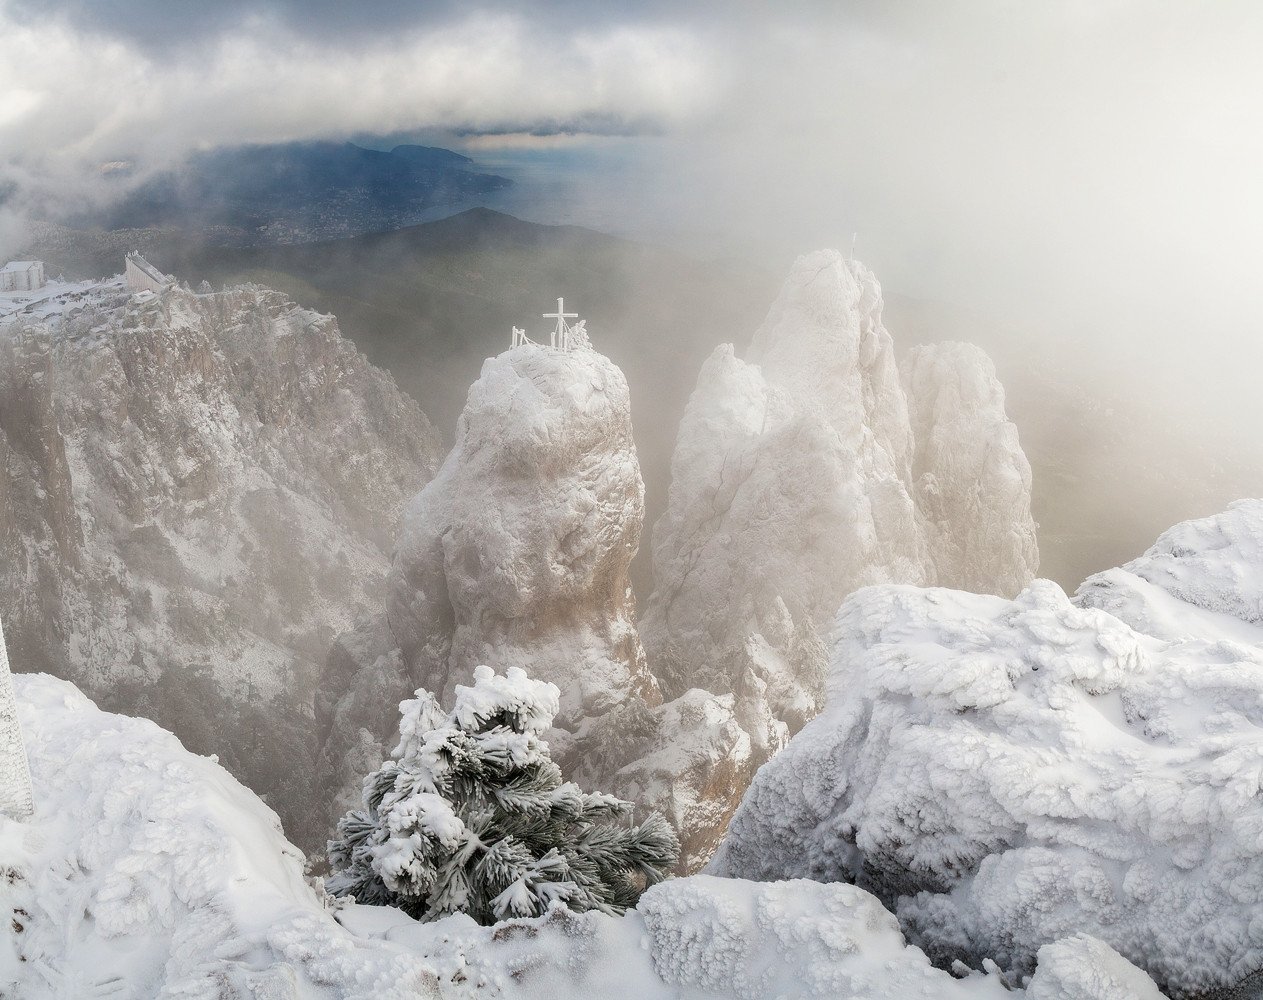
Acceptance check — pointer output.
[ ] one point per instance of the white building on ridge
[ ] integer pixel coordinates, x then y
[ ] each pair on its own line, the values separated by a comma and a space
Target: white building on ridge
22, 276
144, 277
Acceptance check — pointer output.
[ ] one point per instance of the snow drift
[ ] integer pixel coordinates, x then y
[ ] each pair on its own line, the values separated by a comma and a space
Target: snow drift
148, 871
1005, 773
1200, 578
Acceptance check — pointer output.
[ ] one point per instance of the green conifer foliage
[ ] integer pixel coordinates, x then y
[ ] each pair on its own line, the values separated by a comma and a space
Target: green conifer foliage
471, 815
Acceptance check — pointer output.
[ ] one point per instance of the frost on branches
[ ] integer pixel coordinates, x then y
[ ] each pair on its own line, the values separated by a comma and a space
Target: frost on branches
472, 816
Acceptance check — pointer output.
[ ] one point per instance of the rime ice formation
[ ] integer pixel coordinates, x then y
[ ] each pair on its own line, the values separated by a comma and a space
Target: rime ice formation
15, 776
1200, 578
972, 482
155, 873
517, 554
1007, 773
517, 551
690, 760
1082, 967
197, 493
792, 485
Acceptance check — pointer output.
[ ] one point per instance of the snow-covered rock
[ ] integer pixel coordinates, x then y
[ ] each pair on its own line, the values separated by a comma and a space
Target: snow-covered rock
15, 775
1082, 967
1004, 774
148, 872
792, 485
690, 760
517, 551
972, 482
517, 554
1200, 578
198, 493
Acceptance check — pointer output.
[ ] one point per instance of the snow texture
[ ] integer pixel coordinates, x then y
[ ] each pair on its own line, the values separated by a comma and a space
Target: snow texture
472, 816
1003, 774
196, 494
1082, 967
15, 775
517, 551
1201, 578
150, 872
972, 480
800, 461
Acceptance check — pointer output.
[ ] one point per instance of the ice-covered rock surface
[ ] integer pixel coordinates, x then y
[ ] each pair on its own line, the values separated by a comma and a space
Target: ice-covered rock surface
517, 554
517, 551
792, 485
1200, 578
972, 482
1082, 967
197, 493
1007, 773
15, 775
149, 872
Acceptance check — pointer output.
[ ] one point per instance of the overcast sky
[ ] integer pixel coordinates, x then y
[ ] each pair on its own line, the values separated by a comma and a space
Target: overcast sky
1090, 167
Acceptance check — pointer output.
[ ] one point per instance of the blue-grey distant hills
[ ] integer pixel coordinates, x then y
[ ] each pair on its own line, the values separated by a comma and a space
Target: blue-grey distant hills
301, 192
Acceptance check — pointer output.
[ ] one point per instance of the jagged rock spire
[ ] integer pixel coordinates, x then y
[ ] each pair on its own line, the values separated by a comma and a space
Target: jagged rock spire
15, 774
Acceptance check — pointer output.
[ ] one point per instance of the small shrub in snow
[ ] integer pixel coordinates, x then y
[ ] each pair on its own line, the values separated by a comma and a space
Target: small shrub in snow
471, 815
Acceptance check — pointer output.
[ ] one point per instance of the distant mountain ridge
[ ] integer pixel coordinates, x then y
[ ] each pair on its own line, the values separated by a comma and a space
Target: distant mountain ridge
299, 192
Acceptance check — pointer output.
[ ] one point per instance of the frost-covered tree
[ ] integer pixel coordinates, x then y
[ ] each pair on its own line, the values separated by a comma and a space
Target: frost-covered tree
471, 815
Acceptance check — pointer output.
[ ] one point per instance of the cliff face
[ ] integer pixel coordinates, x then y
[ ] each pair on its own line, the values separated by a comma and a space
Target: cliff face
801, 474
517, 552
197, 497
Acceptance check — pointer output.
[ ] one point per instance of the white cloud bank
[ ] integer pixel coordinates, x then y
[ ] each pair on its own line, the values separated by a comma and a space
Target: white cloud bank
74, 98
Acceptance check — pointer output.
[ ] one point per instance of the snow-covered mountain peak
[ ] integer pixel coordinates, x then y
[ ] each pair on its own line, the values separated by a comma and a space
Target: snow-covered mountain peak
825, 297
823, 344
197, 492
799, 461
541, 399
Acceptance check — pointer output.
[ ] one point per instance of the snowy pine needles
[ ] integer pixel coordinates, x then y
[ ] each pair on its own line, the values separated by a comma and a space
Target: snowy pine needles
471, 815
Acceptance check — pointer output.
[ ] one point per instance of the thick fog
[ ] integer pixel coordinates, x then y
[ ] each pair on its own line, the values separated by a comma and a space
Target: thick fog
1074, 185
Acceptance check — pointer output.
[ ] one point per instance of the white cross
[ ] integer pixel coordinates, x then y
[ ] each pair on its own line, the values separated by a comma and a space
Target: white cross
559, 334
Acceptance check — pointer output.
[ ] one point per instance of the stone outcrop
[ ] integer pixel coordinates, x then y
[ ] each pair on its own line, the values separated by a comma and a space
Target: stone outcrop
1003, 774
971, 480
198, 494
803, 473
517, 555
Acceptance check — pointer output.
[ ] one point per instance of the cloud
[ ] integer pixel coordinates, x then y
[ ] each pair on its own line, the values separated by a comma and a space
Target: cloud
76, 95
1087, 169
